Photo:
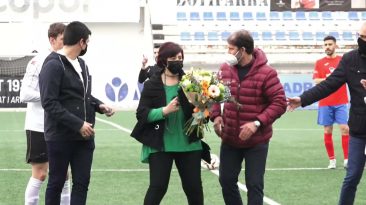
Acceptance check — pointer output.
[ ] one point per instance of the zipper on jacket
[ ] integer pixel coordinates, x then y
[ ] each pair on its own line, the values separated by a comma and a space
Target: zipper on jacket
84, 88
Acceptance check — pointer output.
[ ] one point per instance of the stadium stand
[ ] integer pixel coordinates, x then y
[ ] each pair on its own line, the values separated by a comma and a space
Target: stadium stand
300, 16
221, 16
280, 36
314, 16
181, 16
327, 15
212, 36
260, 16
248, 16
353, 16
274, 16
267, 36
234, 16
194, 16
208, 16
307, 36
347, 36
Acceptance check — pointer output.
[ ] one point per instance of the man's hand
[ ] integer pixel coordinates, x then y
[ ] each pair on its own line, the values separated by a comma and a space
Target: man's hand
363, 82
144, 61
293, 103
247, 130
86, 130
218, 125
107, 110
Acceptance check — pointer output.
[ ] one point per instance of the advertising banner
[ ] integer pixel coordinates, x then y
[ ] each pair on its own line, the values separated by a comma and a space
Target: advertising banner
318, 5
9, 92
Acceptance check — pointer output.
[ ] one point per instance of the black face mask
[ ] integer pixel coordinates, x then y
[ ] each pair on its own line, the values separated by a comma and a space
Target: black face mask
175, 67
82, 52
361, 46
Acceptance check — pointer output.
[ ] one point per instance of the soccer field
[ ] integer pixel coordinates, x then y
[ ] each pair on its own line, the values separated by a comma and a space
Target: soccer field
296, 171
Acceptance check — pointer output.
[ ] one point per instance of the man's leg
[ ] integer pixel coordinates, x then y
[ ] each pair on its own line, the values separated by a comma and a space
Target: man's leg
255, 165
81, 162
58, 155
39, 174
356, 164
36, 155
231, 159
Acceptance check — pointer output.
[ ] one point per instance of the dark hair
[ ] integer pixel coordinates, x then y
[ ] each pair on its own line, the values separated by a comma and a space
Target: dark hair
56, 29
157, 45
74, 32
242, 38
167, 50
330, 38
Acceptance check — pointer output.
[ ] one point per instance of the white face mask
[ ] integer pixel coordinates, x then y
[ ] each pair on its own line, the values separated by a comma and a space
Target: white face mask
231, 59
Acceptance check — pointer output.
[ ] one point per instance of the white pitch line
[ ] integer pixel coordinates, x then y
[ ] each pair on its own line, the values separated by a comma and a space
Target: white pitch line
216, 172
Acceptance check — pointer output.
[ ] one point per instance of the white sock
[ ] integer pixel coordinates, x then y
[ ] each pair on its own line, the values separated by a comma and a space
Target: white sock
65, 194
32, 191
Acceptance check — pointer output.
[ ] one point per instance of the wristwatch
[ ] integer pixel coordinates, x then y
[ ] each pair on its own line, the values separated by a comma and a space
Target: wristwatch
257, 123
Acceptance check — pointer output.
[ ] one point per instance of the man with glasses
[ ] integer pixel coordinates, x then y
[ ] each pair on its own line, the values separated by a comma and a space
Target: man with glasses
350, 70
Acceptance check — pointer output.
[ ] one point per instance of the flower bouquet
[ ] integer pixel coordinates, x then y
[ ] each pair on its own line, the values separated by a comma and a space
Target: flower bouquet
202, 89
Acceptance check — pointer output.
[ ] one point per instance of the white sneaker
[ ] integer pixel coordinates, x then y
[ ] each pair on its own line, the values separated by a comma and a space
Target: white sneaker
332, 164
345, 163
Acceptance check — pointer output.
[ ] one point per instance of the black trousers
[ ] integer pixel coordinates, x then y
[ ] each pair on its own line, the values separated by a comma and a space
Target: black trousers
61, 154
231, 159
189, 168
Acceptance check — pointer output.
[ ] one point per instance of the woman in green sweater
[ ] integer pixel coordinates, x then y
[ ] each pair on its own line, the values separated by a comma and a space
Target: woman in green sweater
161, 114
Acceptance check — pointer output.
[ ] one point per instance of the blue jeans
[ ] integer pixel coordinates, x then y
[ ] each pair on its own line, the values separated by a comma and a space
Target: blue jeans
61, 154
231, 159
356, 164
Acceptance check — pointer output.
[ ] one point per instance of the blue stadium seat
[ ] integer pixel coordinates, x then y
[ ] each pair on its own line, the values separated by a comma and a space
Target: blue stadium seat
255, 35
319, 35
247, 16
300, 15
225, 35
185, 36
353, 16
314, 16
335, 34
307, 36
260, 16
181, 16
267, 36
287, 16
363, 15
294, 36
208, 16
274, 16
212, 36
347, 36
221, 16
199, 36
234, 16
194, 16
327, 15
280, 36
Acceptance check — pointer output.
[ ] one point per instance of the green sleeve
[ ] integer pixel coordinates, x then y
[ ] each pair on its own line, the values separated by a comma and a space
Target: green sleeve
155, 115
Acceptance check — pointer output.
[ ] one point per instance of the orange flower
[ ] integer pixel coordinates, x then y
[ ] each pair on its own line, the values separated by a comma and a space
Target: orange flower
204, 84
196, 109
206, 113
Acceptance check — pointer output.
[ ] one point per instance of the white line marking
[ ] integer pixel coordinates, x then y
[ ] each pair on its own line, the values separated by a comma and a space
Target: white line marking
216, 172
